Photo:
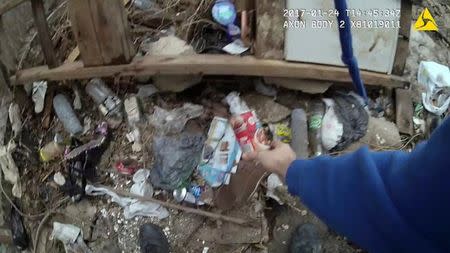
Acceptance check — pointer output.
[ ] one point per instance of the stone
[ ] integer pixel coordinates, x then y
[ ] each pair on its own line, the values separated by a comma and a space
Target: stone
171, 46
267, 109
380, 134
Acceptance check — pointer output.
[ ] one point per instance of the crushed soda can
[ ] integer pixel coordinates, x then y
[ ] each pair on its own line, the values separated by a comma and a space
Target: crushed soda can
183, 195
126, 167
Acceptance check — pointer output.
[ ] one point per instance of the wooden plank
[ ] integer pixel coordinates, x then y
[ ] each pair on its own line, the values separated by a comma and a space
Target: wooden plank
402, 50
269, 42
45, 39
102, 32
404, 111
8, 5
207, 65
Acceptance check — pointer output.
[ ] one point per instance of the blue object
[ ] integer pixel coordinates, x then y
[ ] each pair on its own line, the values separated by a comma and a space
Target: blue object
345, 36
389, 201
224, 12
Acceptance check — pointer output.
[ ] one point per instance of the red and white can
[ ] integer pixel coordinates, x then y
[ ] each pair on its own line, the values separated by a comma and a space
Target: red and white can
245, 126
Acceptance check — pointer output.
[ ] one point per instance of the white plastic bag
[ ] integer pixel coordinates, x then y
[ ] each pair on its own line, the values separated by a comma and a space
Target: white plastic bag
436, 79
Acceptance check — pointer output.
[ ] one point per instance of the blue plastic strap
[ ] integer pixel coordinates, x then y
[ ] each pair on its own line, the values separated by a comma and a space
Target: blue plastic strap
345, 36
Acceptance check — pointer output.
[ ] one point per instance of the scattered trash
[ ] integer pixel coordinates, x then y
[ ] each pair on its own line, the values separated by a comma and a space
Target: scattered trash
127, 166
183, 195
176, 157
172, 122
418, 119
315, 125
19, 234
265, 89
38, 95
205, 250
145, 91
152, 239
15, 119
52, 150
144, 4
282, 133
66, 115
350, 111
108, 103
87, 121
245, 124
71, 236
221, 153
135, 137
224, 12
332, 129
10, 169
133, 111
59, 179
82, 161
236, 47
77, 100
436, 79
133, 207
299, 126
273, 182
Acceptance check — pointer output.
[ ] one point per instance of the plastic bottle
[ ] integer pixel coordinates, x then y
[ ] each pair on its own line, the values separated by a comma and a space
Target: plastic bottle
315, 125
66, 115
224, 12
299, 126
52, 150
106, 100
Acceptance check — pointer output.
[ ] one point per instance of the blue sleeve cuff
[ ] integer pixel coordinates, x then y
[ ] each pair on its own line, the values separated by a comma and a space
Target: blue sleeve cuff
294, 178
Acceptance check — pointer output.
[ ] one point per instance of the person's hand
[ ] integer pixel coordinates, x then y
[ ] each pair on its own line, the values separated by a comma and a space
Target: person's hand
276, 160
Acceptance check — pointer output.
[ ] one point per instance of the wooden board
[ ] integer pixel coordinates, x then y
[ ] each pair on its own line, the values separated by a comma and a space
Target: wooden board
40, 21
102, 31
207, 65
269, 42
404, 111
402, 50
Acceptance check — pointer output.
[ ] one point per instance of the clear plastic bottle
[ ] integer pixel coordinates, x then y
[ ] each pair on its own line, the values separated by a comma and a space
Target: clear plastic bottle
317, 111
299, 126
106, 100
66, 115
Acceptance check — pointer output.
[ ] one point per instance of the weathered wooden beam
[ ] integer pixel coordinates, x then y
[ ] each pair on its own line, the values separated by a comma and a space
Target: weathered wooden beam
45, 38
207, 65
402, 51
102, 31
8, 5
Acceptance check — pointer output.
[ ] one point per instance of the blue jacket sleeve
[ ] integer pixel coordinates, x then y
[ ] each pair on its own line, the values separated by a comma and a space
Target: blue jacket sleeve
383, 201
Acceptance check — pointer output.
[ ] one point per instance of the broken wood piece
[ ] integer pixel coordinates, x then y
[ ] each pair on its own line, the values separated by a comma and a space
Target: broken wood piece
270, 36
178, 207
45, 39
102, 31
404, 111
205, 64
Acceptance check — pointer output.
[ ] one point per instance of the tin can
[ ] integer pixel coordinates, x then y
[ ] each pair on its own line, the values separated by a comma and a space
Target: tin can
182, 195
